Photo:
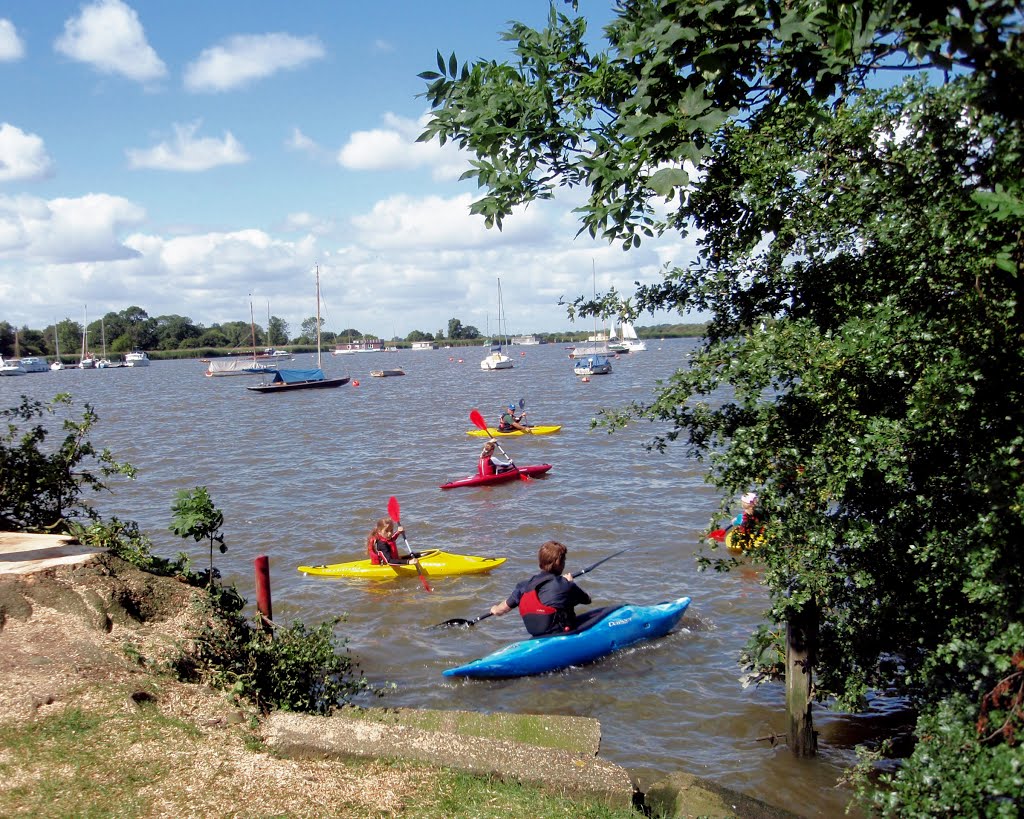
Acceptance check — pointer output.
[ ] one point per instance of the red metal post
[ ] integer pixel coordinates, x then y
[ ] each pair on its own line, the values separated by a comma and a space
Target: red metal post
263, 605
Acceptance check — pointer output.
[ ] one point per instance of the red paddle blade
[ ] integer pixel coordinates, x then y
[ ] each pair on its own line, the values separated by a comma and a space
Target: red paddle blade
394, 510
523, 476
478, 420
718, 534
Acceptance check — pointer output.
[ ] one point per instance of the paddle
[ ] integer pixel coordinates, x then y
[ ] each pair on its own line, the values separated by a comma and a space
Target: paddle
395, 512
458, 621
719, 534
522, 412
480, 423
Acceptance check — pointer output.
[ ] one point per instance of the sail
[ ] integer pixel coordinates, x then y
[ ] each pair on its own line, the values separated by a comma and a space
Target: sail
627, 330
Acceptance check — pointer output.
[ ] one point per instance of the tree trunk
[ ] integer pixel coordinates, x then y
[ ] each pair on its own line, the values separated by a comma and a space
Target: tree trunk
801, 643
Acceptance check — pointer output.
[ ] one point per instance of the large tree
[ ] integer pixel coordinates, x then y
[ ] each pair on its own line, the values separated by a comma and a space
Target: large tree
860, 255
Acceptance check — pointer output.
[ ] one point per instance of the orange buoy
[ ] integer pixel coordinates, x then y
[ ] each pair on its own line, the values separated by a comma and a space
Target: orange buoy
585, 379
355, 383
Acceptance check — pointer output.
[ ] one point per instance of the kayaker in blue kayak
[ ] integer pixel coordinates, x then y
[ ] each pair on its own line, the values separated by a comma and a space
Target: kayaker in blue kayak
547, 601
510, 422
491, 464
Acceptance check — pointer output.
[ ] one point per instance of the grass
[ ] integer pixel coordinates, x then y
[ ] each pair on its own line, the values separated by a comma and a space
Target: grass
115, 754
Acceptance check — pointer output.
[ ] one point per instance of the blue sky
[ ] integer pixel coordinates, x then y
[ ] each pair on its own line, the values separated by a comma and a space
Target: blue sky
184, 156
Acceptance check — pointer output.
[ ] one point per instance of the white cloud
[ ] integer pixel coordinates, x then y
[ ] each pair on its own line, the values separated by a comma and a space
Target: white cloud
394, 147
80, 230
108, 36
186, 153
308, 223
246, 57
435, 222
22, 156
303, 144
11, 46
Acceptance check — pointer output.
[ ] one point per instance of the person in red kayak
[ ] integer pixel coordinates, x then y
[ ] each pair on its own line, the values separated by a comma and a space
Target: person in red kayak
491, 464
382, 543
547, 601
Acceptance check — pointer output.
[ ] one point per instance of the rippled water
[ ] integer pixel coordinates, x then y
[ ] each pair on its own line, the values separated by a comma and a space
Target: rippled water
301, 477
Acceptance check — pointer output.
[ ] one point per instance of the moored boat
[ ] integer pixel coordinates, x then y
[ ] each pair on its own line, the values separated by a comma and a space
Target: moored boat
136, 358
592, 365
434, 563
285, 380
492, 432
599, 633
501, 477
387, 373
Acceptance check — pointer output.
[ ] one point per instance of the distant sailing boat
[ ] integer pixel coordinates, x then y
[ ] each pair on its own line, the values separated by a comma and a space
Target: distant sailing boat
289, 379
593, 360
57, 363
87, 361
497, 360
104, 362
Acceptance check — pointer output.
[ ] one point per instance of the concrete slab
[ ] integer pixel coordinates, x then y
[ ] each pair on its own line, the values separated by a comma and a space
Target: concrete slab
22, 553
301, 736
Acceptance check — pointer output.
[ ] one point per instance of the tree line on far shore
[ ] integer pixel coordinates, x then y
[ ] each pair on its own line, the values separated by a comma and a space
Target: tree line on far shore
133, 328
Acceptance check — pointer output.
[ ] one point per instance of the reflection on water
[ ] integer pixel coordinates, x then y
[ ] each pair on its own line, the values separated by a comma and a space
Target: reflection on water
302, 476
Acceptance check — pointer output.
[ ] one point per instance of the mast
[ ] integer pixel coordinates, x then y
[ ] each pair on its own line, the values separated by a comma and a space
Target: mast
318, 362
252, 325
85, 333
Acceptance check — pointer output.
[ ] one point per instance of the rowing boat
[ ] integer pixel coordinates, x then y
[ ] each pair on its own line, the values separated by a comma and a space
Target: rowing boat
434, 563
501, 477
599, 633
492, 432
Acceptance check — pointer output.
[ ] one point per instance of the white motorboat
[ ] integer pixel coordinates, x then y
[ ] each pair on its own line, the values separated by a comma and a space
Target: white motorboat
136, 358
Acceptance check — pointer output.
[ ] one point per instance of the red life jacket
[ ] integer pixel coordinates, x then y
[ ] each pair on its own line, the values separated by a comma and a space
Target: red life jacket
485, 466
376, 545
538, 618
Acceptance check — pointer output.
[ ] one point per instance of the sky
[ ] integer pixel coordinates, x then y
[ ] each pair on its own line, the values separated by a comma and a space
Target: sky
204, 158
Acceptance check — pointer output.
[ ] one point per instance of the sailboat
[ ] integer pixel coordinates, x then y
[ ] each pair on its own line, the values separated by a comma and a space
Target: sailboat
103, 363
496, 359
288, 379
593, 360
57, 363
87, 360
628, 341
236, 365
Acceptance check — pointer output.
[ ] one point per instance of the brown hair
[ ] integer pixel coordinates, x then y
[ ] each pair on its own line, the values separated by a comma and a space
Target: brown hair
383, 524
551, 557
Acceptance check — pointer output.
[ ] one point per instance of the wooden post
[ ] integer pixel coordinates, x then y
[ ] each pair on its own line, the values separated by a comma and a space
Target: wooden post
801, 642
263, 604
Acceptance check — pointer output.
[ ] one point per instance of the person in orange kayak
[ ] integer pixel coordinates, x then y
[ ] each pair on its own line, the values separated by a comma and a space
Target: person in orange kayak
547, 601
491, 464
382, 543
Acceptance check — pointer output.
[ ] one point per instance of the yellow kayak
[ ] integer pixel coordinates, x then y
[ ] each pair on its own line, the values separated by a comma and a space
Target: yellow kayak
434, 563
493, 432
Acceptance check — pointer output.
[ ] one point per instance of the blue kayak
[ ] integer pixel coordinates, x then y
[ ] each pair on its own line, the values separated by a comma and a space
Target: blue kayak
599, 632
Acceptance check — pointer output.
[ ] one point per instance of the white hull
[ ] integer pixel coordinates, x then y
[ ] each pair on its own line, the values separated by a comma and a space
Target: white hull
136, 359
496, 361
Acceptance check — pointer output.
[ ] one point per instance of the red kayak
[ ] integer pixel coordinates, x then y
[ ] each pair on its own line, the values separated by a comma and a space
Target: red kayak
501, 477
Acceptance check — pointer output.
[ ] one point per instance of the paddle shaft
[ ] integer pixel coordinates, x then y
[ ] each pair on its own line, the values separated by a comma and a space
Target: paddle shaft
395, 511
480, 423
459, 621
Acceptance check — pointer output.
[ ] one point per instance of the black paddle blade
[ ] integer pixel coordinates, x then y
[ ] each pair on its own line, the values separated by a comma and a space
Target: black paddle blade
460, 622
455, 621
